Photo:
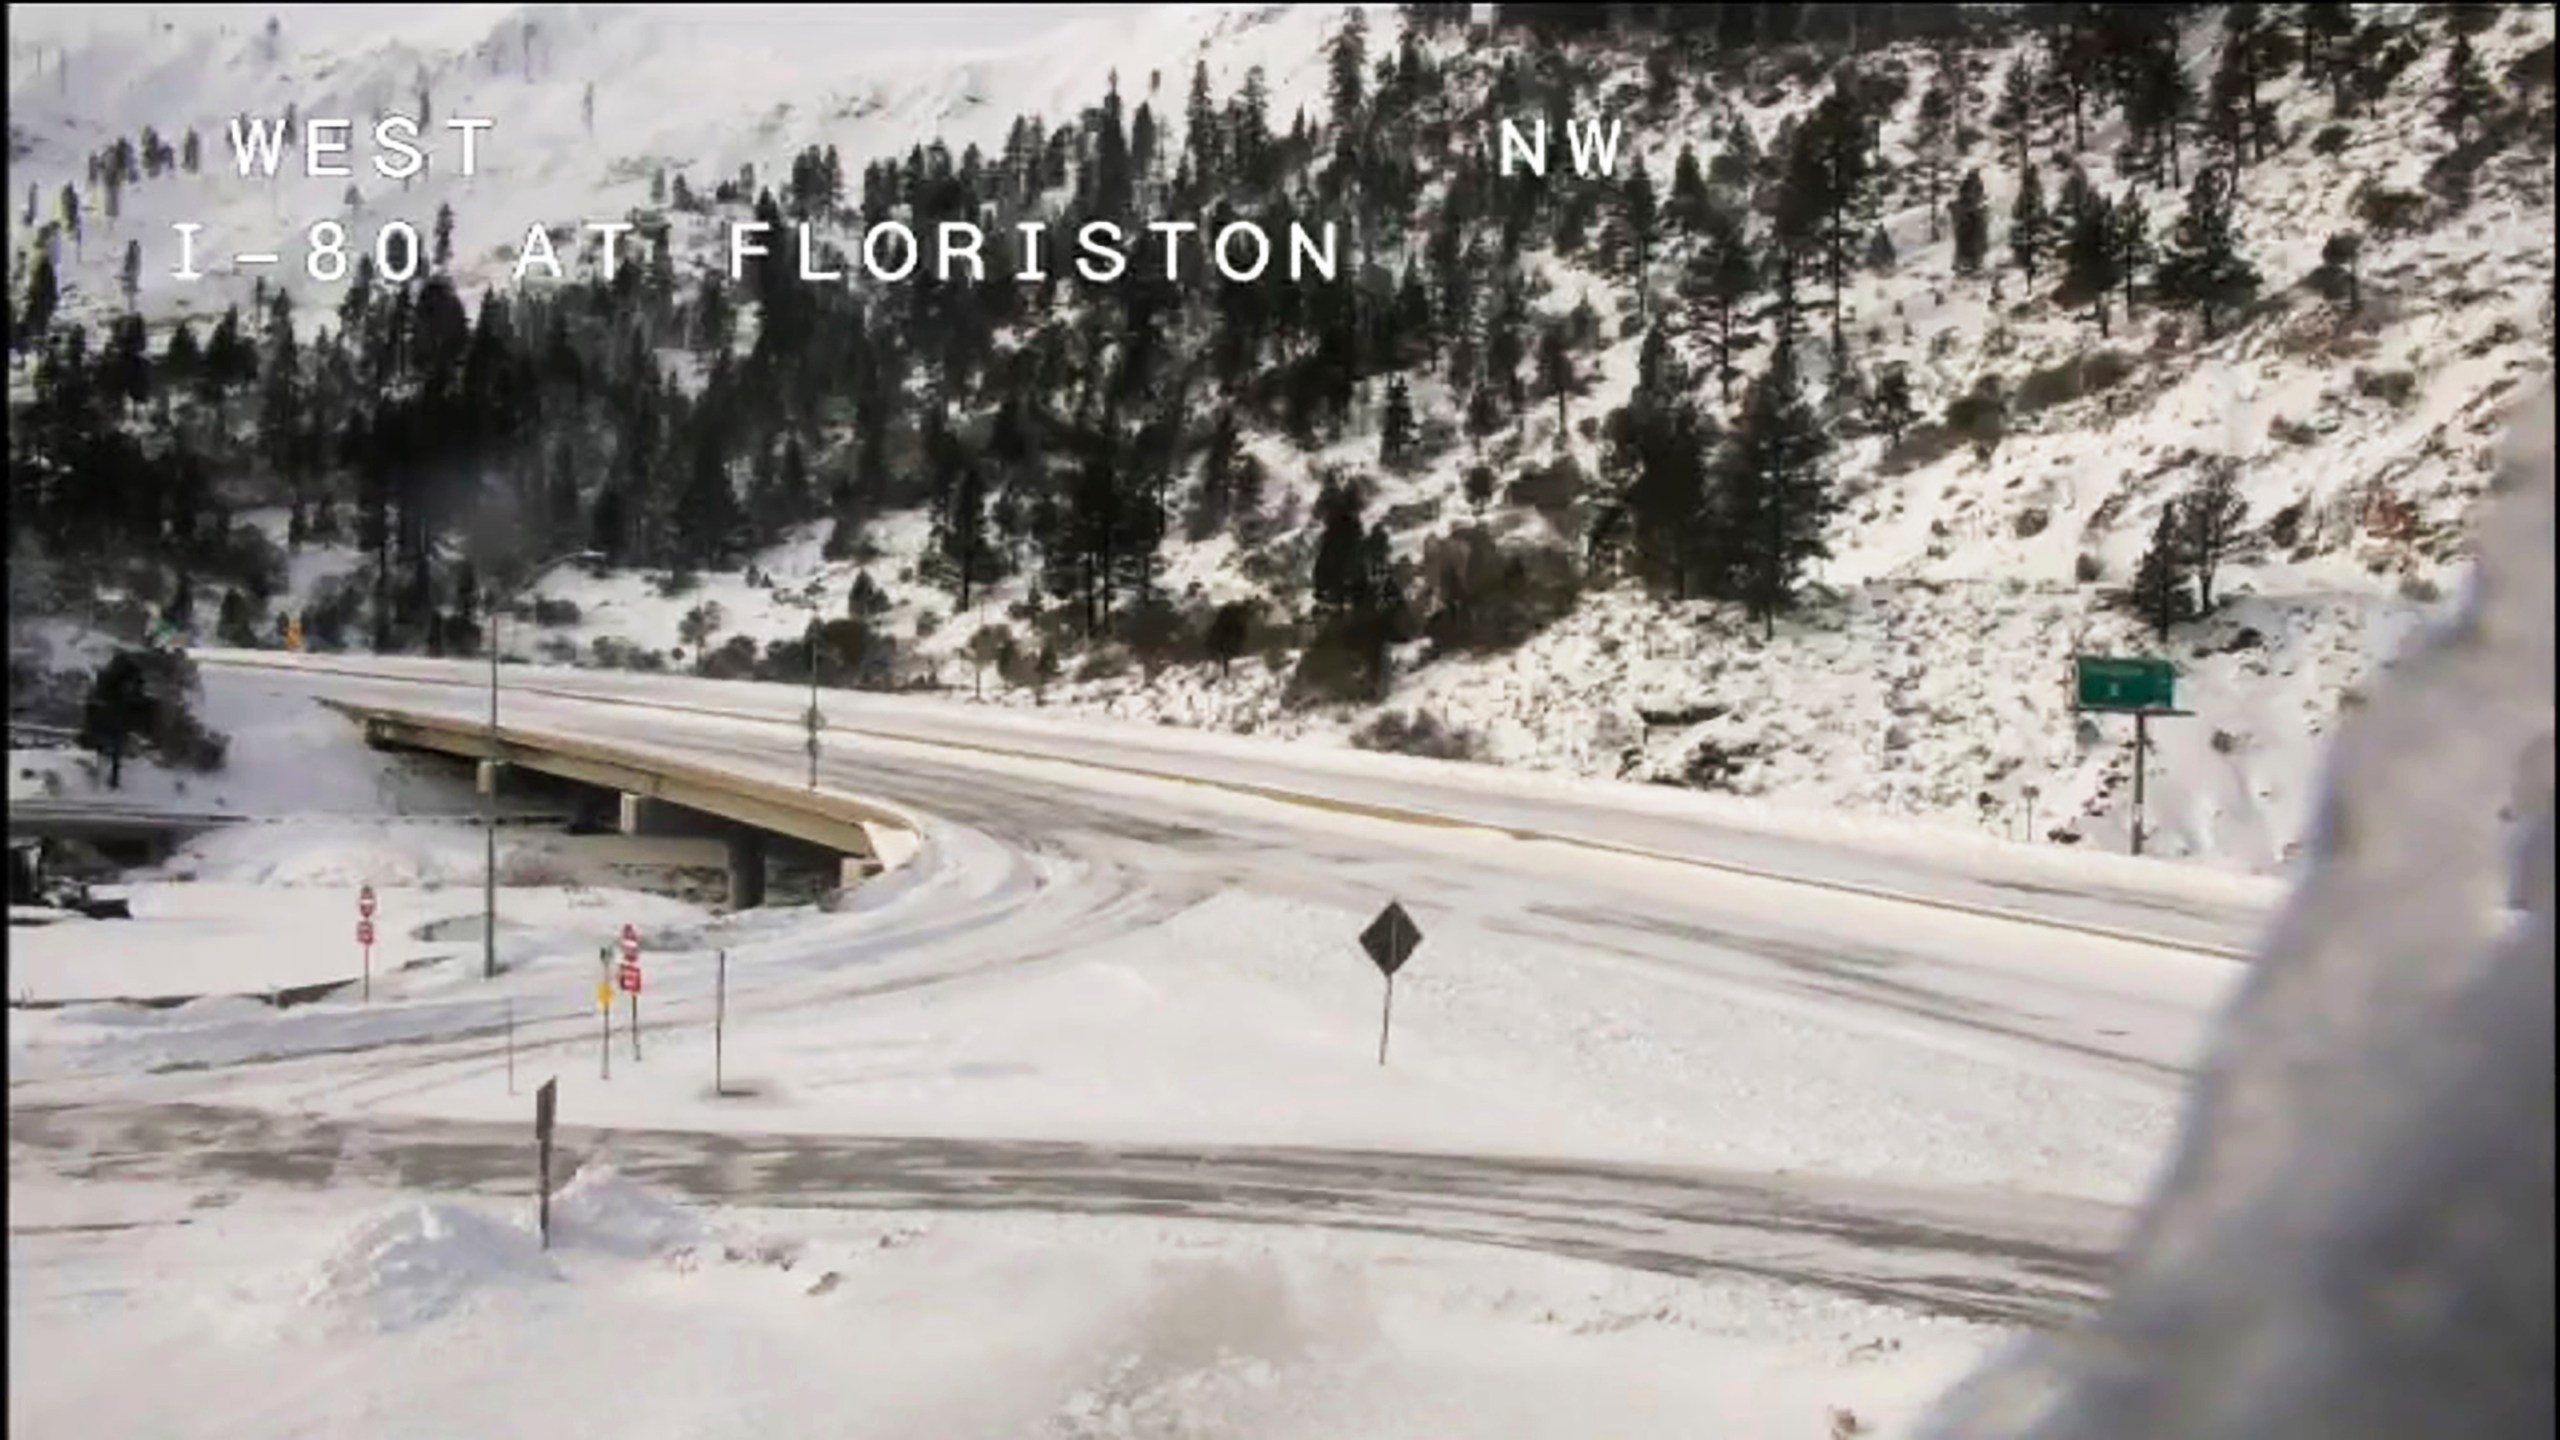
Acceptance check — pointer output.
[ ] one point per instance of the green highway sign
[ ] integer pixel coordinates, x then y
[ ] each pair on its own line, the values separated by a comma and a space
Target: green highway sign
2103, 683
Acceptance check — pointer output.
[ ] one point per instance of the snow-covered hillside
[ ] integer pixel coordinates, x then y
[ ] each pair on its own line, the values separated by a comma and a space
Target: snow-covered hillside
1928, 674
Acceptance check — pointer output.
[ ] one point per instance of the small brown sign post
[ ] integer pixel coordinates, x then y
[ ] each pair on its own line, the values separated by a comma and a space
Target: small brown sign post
546, 1105
1390, 941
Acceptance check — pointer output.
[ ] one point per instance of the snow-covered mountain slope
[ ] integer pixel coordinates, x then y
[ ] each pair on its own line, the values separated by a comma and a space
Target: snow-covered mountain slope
1928, 675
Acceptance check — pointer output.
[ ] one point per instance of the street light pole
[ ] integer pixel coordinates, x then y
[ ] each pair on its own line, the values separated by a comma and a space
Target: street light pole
489, 809
813, 702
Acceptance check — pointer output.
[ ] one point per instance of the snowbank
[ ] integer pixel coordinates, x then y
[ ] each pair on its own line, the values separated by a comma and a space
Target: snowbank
600, 1209
422, 1261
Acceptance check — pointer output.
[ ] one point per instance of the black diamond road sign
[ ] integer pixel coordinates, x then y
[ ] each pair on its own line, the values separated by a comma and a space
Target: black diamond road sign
1390, 939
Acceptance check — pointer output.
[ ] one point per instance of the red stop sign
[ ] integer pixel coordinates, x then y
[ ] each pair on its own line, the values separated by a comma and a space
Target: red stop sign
630, 943
364, 932
364, 902
629, 975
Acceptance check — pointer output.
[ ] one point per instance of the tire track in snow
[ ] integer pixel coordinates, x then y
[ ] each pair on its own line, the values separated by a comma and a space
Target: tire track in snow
1990, 1257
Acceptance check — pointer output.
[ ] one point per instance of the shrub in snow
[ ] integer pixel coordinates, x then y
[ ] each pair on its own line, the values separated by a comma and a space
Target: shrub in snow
2074, 379
1228, 632
1479, 594
1104, 662
1420, 733
1981, 415
1922, 445
2392, 387
548, 611
1550, 489
2386, 211
1346, 662
736, 659
1158, 635
335, 604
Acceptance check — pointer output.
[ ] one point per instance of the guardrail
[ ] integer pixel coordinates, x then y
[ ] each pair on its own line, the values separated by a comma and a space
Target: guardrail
830, 820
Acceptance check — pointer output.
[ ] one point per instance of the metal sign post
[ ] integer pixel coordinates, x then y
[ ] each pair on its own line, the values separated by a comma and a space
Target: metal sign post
719, 1025
546, 1105
604, 1007
2143, 688
511, 1044
364, 936
1390, 941
630, 981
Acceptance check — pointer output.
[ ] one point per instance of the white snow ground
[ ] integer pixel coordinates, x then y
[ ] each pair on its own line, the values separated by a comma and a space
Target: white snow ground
300, 1312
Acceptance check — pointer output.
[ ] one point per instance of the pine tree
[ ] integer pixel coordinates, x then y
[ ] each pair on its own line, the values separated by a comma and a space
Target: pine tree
2209, 527
2328, 46
1721, 280
1933, 139
2015, 116
2243, 123
1347, 65
1200, 138
2135, 254
1689, 201
2160, 100
1890, 408
1558, 380
2029, 225
2463, 97
2093, 257
1778, 500
2160, 593
707, 516
1340, 579
1971, 219
2071, 69
2204, 267
129, 280
1396, 431
1639, 229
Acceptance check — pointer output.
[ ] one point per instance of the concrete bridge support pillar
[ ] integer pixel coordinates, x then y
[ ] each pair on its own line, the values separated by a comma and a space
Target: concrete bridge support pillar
746, 868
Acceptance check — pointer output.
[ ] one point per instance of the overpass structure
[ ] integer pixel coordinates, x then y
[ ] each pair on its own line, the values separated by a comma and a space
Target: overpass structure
660, 795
